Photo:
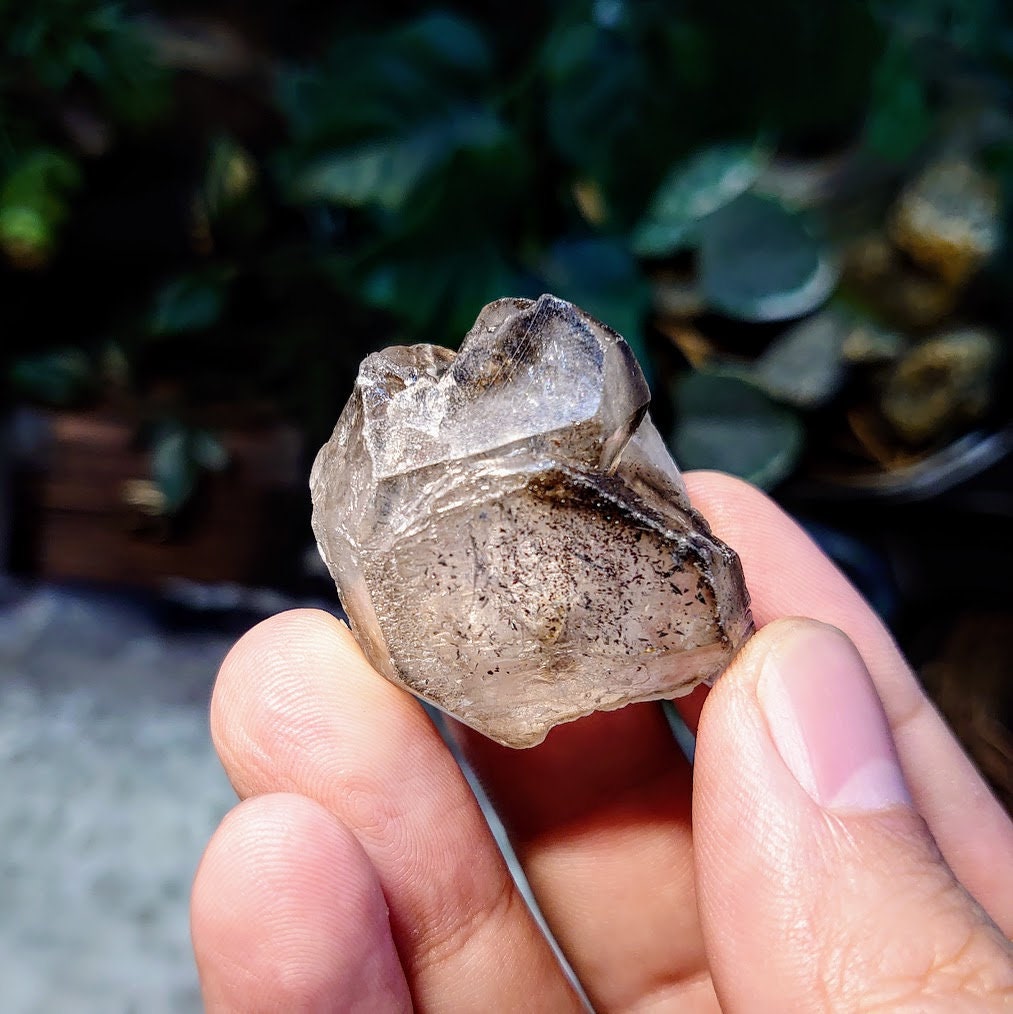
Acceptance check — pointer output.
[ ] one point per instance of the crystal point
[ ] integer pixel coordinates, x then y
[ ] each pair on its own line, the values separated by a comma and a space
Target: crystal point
509, 536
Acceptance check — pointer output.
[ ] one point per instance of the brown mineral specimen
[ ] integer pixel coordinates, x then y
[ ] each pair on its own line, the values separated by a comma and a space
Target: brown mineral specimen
509, 536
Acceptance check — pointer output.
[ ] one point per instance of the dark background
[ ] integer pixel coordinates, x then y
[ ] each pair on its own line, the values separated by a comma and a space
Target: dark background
798, 214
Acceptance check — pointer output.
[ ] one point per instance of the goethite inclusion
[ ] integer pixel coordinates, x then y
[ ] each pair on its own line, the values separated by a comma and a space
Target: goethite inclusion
511, 539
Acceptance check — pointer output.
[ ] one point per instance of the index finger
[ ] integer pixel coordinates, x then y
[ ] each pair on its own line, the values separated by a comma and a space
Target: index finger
788, 575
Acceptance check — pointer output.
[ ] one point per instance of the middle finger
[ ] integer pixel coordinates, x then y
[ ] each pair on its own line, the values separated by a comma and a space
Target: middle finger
599, 815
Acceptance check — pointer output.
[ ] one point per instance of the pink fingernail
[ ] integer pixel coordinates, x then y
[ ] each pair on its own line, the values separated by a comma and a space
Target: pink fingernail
827, 721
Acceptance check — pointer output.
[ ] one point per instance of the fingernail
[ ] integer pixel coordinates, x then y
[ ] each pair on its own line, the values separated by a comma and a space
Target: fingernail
827, 721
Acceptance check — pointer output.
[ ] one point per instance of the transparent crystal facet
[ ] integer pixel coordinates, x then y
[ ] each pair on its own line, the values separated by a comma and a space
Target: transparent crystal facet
510, 538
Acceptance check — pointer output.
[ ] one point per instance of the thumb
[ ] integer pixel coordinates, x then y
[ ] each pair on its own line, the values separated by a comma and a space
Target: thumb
819, 885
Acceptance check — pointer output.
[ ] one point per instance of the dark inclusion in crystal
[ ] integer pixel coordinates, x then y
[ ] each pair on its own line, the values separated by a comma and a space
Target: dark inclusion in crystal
509, 536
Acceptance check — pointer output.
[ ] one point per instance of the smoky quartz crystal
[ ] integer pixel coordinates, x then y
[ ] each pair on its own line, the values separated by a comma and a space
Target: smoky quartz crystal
510, 538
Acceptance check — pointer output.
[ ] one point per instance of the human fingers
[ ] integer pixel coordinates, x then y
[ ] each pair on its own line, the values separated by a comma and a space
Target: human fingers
788, 575
599, 813
298, 709
820, 886
288, 915
599, 816
603, 769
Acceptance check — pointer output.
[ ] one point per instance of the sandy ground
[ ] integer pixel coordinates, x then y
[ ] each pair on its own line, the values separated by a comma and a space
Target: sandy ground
109, 789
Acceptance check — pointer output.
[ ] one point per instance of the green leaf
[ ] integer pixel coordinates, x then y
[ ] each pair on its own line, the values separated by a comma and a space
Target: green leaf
759, 262
34, 203
447, 44
41, 170
386, 172
625, 93
64, 377
387, 113
411, 95
208, 451
596, 87
693, 189
381, 173
899, 119
804, 366
189, 303
724, 423
439, 297
976, 29
799, 67
68, 42
599, 275
409, 288
173, 467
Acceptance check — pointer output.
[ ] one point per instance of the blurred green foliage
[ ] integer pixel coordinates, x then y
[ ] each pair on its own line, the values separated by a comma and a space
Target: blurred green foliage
54, 53
243, 205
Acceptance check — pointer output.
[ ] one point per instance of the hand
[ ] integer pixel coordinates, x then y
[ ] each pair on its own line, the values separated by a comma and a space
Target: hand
798, 866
